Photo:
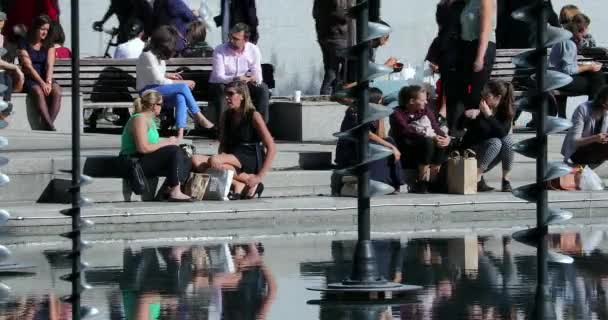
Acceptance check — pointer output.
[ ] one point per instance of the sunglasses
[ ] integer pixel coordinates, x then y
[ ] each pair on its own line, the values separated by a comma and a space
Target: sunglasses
230, 93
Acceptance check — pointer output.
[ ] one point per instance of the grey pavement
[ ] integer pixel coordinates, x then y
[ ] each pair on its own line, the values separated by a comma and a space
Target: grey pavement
295, 201
295, 215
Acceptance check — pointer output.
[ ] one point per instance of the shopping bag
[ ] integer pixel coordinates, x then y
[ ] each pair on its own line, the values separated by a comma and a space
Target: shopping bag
568, 182
219, 184
462, 173
590, 181
196, 186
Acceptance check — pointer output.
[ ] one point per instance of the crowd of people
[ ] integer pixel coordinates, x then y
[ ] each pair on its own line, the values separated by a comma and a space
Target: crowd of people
471, 111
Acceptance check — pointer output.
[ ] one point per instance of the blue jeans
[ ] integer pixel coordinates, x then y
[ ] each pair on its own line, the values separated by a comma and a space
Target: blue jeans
177, 95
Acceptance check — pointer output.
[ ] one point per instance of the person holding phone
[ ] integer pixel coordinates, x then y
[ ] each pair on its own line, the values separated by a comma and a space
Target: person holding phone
587, 141
488, 132
151, 71
587, 77
417, 133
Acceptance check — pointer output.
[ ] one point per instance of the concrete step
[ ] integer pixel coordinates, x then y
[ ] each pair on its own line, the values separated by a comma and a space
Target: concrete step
29, 187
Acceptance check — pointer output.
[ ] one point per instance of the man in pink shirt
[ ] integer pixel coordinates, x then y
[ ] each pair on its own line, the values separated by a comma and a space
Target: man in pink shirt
239, 60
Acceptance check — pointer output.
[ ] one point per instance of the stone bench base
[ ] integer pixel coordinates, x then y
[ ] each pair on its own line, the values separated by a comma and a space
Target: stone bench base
26, 116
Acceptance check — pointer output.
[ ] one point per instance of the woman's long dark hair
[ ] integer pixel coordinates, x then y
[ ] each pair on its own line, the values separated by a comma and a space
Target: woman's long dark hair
163, 42
505, 110
37, 23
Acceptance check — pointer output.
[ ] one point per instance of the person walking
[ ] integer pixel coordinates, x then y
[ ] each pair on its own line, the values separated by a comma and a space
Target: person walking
175, 13
238, 11
331, 24
128, 13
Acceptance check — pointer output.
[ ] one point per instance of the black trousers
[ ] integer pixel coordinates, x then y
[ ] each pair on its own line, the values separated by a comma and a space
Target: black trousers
421, 151
168, 161
332, 65
592, 154
586, 83
468, 84
7, 80
260, 96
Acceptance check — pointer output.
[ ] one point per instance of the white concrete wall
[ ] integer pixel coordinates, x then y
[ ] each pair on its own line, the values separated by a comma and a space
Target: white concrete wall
288, 39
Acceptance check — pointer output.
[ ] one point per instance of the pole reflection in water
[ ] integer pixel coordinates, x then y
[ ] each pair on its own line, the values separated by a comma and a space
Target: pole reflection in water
463, 278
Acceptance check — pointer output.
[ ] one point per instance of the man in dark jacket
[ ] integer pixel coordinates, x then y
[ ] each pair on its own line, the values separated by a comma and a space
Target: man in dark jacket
516, 34
239, 11
332, 33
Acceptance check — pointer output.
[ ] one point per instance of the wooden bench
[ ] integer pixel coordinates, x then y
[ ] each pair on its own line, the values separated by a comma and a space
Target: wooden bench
111, 83
505, 70
105, 81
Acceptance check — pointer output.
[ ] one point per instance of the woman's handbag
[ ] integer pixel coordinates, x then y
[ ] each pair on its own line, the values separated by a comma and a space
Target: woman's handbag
219, 184
136, 179
196, 186
462, 172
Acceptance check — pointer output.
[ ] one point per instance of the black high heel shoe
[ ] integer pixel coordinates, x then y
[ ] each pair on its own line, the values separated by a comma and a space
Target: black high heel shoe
234, 196
258, 191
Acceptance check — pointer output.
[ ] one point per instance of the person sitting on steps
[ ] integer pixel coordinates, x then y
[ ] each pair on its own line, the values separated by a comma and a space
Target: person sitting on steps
415, 129
239, 60
488, 132
151, 74
242, 129
140, 139
586, 143
587, 78
387, 170
37, 58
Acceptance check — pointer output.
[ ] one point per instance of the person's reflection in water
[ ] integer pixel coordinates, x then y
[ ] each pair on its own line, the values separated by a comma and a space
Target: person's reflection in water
254, 290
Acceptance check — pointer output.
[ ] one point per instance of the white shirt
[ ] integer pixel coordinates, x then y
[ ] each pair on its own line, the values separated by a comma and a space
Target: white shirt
131, 49
150, 71
229, 64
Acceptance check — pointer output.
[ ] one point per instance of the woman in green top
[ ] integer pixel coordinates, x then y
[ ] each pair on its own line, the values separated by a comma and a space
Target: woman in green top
157, 158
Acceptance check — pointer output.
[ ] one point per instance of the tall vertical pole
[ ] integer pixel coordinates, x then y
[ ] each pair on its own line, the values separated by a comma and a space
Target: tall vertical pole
76, 249
541, 162
364, 263
362, 106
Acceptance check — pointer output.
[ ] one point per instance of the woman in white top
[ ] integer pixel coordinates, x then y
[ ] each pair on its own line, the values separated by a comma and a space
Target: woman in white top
151, 74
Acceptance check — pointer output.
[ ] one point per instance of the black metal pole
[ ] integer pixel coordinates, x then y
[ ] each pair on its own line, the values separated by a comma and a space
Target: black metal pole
541, 162
76, 250
364, 263
374, 10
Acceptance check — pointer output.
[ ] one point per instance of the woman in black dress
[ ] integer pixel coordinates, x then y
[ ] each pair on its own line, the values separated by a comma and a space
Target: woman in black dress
37, 58
246, 145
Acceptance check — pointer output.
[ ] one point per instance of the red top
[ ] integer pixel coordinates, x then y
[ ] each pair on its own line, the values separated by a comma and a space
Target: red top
63, 53
24, 12
401, 121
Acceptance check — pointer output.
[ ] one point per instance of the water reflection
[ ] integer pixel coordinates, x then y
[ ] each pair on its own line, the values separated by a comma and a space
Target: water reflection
467, 277
486, 277
181, 282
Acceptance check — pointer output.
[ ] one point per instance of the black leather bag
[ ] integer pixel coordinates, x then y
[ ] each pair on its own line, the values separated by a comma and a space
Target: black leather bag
134, 175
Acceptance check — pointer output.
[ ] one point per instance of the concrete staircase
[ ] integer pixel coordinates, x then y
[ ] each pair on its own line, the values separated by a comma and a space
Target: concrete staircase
37, 157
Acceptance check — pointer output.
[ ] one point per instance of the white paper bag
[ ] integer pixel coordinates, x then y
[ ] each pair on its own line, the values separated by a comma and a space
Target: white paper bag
219, 184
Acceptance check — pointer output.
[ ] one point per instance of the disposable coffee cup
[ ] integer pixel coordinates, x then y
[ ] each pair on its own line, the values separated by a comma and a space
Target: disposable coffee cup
297, 96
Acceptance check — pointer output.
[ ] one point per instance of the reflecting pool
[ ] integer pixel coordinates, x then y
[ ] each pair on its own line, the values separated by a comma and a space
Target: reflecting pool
464, 276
